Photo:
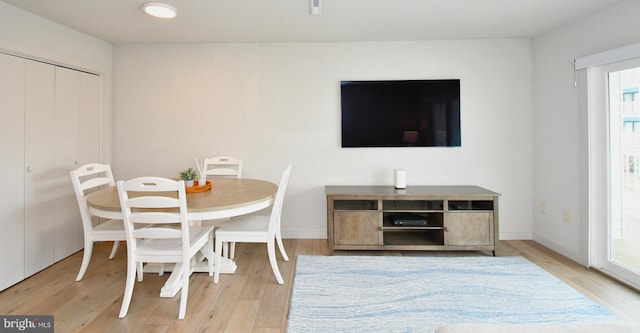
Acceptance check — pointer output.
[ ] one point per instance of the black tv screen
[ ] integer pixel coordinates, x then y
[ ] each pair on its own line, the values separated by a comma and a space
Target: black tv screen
418, 113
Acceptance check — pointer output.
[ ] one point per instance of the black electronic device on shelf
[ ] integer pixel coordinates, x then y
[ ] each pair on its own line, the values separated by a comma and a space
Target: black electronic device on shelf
409, 220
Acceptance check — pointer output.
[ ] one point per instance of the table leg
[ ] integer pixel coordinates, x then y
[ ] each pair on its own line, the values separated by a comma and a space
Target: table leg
173, 284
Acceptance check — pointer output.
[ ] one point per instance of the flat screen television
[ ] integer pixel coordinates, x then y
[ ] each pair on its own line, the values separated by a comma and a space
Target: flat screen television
401, 113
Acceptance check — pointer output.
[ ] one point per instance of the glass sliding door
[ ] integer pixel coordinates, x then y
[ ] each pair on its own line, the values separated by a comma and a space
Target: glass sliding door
624, 115
617, 230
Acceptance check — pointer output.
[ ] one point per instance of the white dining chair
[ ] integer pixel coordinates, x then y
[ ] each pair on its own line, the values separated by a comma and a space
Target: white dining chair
158, 231
223, 166
257, 228
85, 179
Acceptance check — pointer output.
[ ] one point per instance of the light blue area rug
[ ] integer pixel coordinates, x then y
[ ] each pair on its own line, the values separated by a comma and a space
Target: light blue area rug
420, 294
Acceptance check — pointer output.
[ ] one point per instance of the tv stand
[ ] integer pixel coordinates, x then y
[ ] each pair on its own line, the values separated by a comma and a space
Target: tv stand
444, 218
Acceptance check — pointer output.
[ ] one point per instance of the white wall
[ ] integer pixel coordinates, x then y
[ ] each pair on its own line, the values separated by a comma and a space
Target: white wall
277, 103
559, 128
31, 36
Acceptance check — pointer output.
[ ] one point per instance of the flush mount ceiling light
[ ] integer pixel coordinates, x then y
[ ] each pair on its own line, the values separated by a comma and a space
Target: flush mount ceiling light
159, 10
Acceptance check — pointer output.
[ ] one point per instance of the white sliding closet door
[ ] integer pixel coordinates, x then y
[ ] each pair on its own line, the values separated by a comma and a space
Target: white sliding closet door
77, 142
12, 79
89, 126
68, 230
50, 125
38, 180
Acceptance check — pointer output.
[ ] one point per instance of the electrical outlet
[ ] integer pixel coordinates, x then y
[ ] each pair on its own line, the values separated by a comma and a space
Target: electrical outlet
566, 216
543, 207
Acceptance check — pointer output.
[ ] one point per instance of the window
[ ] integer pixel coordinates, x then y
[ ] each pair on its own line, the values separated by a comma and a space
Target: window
630, 96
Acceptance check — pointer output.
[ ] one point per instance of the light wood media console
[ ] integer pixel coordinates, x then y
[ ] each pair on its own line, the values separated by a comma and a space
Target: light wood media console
441, 218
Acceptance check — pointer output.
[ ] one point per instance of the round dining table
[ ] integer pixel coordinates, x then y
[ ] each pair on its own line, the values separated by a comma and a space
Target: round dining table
228, 197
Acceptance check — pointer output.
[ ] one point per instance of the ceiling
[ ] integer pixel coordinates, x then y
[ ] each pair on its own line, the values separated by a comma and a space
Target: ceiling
123, 22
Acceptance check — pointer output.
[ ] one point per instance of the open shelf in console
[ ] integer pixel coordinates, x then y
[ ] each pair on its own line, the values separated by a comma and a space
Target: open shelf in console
411, 221
355, 204
414, 237
470, 204
409, 205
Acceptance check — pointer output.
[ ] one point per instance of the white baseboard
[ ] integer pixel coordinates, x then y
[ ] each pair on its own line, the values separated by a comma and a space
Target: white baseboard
565, 251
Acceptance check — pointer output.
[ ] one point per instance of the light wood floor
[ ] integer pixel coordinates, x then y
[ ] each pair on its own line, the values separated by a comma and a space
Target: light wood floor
248, 301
